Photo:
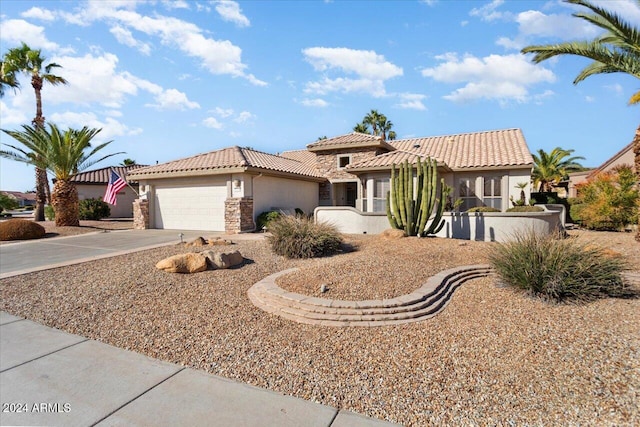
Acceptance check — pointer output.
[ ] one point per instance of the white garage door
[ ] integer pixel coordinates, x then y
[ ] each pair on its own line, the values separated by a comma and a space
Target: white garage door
192, 207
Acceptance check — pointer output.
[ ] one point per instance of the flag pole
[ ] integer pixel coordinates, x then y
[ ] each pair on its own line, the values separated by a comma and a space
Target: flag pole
126, 181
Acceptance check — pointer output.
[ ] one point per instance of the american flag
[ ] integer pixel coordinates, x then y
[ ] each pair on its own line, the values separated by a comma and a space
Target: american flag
116, 183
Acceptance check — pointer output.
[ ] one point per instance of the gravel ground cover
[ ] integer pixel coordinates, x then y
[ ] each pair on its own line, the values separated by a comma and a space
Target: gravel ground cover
85, 227
492, 357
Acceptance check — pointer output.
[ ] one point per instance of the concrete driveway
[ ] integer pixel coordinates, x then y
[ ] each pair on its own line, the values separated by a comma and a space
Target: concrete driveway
34, 255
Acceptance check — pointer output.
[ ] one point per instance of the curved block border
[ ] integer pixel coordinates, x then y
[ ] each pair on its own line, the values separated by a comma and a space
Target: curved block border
423, 303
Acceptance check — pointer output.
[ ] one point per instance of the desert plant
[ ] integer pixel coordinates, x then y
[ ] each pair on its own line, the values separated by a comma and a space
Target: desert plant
300, 237
412, 215
265, 218
49, 213
557, 269
483, 209
609, 200
526, 209
93, 209
20, 229
7, 202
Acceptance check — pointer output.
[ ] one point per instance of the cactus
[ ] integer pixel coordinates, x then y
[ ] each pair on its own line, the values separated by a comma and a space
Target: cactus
412, 211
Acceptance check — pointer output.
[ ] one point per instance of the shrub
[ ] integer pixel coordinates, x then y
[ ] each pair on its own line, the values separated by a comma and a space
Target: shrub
610, 200
49, 213
484, 209
265, 218
300, 237
558, 269
93, 209
20, 229
526, 209
7, 202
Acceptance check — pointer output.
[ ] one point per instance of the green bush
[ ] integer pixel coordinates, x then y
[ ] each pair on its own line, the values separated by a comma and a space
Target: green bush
558, 269
483, 209
526, 209
265, 218
300, 237
7, 202
49, 213
93, 210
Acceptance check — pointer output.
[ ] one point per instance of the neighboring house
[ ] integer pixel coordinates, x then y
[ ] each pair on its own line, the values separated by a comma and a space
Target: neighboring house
23, 199
622, 157
225, 190
93, 184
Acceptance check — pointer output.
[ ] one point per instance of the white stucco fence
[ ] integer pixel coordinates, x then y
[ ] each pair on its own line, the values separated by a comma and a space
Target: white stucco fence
482, 226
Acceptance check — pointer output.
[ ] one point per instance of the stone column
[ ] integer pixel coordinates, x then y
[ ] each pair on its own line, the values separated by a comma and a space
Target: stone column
238, 215
141, 214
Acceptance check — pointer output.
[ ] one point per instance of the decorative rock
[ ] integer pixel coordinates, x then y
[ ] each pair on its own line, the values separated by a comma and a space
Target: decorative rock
392, 234
183, 263
199, 241
223, 259
217, 241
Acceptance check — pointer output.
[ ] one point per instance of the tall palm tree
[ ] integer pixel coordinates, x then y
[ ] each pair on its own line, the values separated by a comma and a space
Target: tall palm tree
373, 119
617, 50
62, 153
30, 62
361, 128
385, 128
553, 167
376, 124
130, 162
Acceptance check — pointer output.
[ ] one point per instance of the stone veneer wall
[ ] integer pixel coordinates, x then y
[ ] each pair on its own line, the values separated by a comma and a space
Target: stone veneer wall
140, 214
327, 161
238, 215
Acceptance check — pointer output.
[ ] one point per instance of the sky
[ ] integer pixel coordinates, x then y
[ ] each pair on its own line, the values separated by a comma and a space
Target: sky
170, 79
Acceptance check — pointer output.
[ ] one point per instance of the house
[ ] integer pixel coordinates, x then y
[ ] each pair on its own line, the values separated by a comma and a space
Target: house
93, 184
23, 199
225, 190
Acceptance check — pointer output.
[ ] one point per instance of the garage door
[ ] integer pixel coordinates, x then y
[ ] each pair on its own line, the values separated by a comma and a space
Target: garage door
192, 207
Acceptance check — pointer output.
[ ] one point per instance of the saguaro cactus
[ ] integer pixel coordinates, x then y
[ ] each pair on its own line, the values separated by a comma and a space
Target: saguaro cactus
411, 210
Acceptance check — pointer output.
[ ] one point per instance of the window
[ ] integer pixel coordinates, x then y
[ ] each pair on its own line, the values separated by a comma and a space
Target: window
380, 188
467, 193
343, 161
493, 192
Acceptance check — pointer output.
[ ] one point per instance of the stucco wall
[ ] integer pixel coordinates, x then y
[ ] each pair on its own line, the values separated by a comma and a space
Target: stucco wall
283, 193
126, 196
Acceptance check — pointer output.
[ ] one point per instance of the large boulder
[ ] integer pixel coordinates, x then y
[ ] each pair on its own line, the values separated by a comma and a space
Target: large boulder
183, 263
20, 229
223, 259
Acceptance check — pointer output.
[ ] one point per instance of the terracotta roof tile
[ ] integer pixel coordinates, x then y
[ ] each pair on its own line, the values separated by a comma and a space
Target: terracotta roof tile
473, 150
101, 176
303, 156
229, 158
388, 159
354, 139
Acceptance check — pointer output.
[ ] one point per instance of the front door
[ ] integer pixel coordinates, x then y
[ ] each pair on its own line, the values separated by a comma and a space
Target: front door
351, 190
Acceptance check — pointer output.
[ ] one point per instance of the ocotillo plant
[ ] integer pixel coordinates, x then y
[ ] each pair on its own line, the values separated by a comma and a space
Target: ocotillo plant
413, 214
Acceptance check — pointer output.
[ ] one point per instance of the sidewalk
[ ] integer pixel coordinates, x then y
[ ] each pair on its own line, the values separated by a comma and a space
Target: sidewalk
50, 377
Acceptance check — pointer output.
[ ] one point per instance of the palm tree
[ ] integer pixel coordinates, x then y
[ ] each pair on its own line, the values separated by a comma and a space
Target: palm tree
617, 50
376, 124
128, 162
62, 153
373, 119
7, 80
385, 128
553, 167
29, 61
361, 128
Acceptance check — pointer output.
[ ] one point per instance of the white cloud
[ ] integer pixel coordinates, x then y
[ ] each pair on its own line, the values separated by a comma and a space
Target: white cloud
316, 102
371, 70
223, 112
589, 98
11, 116
212, 122
411, 101
489, 11
125, 37
175, 4
38, 13
216, 56
244, 117
111, 128
495, 77
615, 88
172, 99
429, 2
230, 11
15, 31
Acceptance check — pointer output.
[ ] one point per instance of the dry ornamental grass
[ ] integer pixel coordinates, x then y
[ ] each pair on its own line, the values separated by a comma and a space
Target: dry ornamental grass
492, 357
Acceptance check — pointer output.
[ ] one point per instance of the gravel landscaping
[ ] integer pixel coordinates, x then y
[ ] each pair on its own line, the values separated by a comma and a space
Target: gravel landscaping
492, 357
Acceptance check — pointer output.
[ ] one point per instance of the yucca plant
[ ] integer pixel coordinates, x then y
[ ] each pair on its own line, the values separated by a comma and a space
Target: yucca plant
62, 153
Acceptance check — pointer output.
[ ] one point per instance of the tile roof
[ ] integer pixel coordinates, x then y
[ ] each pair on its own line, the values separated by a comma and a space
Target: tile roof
495, 148
230, 158
385, 161
101, 176
303, 156
20, 195
349, 140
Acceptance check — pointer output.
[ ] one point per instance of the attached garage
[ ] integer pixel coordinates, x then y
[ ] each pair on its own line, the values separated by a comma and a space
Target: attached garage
190, 207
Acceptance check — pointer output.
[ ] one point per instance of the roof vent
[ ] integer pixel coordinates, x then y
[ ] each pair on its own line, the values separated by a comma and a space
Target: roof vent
450, 141
416, 145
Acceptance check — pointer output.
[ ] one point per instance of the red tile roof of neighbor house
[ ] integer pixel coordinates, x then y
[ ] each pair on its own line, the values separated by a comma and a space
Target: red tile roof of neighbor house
226, 159
101, 176
497, 148
18, 195
351, 140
